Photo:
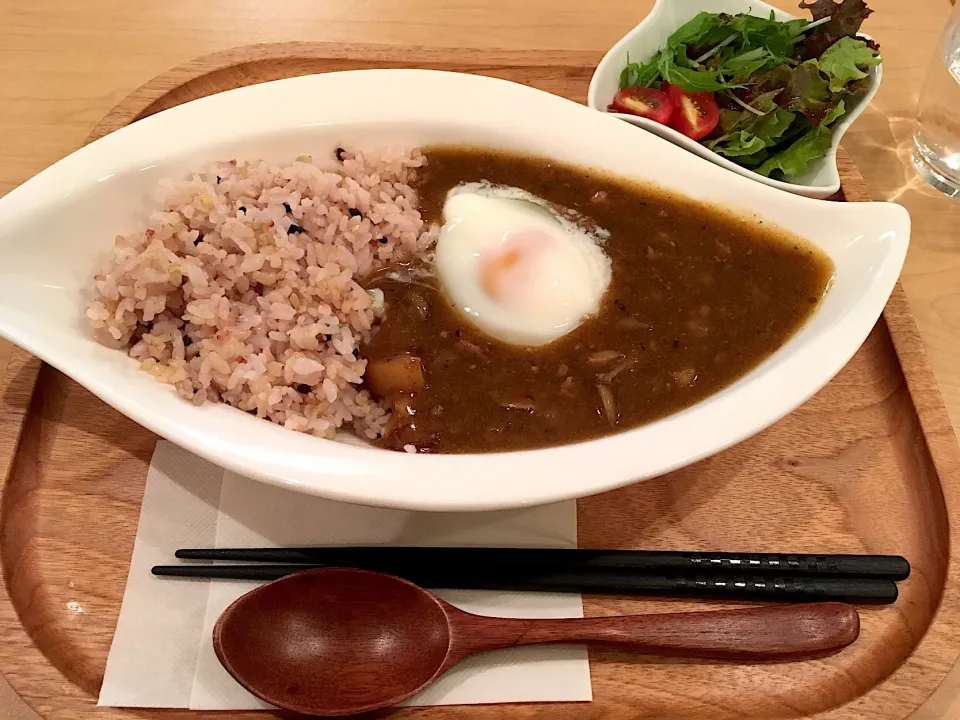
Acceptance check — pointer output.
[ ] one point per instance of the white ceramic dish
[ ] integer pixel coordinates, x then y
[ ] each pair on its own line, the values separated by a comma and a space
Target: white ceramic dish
820, 181
56, 228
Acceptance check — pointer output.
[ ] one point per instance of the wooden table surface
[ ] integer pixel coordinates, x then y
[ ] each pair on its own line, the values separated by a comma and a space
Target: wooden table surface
65, 63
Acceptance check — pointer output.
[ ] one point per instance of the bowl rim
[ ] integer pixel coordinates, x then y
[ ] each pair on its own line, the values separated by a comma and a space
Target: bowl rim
755, 7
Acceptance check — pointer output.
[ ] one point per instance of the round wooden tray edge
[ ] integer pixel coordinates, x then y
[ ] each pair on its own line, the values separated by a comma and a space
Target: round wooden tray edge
132, 107
944, 452
23, 369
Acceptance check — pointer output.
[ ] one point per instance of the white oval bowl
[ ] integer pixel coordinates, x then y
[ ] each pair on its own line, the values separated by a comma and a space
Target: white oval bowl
57, 227
821, 180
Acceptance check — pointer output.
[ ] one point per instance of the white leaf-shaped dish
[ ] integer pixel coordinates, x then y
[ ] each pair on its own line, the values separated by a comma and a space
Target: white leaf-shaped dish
57, 227
821, 180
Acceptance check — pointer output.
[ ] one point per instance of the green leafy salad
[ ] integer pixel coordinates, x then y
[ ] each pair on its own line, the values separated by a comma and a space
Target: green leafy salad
762, 93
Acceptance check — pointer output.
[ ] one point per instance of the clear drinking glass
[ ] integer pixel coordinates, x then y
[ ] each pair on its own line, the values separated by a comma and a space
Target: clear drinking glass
936, 141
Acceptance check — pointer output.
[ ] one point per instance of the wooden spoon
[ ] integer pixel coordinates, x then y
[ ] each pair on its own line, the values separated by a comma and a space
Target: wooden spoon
336, 641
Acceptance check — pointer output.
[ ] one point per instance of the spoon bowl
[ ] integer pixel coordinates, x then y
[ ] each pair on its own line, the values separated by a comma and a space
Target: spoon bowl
293, 641
337, 641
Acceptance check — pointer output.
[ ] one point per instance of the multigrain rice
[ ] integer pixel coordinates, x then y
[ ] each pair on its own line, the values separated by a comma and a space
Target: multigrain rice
247, 287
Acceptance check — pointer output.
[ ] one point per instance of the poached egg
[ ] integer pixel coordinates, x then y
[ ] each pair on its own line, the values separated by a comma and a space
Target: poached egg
517, 268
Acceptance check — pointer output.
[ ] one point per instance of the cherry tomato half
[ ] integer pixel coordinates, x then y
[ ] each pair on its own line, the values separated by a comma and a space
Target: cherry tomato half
696, 113
645, 102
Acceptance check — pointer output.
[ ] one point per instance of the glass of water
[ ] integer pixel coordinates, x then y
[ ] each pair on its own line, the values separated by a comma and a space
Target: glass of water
936, 141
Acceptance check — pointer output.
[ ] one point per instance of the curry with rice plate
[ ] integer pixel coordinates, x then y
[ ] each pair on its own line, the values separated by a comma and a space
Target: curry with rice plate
448, 300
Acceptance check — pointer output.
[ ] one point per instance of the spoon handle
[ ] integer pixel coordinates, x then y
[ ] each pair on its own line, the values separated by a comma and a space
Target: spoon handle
750, 634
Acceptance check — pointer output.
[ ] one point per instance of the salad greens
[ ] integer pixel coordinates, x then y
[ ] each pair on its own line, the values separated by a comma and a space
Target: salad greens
779, 85
841, 62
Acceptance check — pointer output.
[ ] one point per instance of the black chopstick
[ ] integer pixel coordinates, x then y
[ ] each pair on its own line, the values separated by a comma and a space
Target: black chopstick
893, 567
595, 581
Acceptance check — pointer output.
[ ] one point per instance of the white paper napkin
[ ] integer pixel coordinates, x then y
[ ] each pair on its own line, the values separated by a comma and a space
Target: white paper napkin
162, 653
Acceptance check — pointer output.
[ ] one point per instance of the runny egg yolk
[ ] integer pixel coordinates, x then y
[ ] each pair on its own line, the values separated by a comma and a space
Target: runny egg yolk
508, 268
515, 267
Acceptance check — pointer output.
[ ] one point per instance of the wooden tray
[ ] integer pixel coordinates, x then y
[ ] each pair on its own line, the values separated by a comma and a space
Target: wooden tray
868, 465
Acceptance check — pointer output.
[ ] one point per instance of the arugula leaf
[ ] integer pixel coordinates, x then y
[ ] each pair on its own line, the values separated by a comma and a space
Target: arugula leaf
846, 18
639, 75
672, 61
794, 160
794, 28
749, 44
692, 80
694, 30
672, 70
755, 28
744, 67
842, 62
779, 38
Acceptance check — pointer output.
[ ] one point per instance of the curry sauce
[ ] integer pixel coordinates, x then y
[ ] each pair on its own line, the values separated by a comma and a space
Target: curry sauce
697, 299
